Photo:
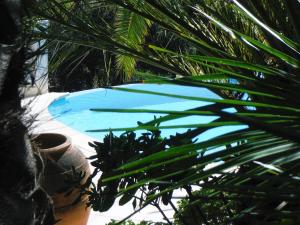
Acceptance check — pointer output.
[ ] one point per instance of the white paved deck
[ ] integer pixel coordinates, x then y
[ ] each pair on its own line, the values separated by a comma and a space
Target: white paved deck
41, 121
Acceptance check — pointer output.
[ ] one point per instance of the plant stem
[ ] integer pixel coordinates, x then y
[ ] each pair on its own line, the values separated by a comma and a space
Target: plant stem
162, 212
181, 217
196, 208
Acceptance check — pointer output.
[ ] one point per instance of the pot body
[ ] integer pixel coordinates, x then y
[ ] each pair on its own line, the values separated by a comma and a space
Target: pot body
62, 162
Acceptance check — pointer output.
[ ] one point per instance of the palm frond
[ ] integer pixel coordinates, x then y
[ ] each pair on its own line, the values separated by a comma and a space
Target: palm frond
245, 51
130, 29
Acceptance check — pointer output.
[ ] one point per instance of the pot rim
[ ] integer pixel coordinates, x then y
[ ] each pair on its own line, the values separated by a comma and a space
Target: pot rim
66, 144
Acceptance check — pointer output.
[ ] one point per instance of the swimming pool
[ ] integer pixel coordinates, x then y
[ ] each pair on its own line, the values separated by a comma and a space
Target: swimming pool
74, 111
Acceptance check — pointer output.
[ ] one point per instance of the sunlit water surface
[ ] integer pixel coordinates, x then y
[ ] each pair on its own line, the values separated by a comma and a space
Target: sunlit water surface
74, 111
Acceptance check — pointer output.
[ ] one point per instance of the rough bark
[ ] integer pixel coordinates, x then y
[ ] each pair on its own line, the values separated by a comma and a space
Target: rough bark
22, 201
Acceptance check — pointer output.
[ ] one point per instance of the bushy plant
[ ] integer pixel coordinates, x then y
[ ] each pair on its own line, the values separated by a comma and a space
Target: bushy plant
115, 152
130, 222
215, 210
246, 51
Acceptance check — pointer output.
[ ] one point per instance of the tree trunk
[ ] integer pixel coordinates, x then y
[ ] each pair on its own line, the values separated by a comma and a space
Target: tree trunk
22, 201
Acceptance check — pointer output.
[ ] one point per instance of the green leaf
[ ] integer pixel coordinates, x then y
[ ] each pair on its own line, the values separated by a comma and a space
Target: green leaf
223, 101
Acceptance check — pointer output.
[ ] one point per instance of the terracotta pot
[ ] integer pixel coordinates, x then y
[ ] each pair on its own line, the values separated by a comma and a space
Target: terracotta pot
60, 156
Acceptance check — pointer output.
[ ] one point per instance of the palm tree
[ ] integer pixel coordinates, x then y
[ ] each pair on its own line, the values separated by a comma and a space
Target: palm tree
74, 68
248, 53
131, 29
22, 200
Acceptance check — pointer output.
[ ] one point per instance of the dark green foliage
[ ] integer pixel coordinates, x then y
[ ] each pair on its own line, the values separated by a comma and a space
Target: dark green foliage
76, 67
217, 209
115, 152
22, 200
246, 51
129, 222
82, 69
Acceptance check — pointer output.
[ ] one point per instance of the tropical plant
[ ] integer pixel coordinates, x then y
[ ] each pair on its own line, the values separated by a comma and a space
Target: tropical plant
130, 222
74, 67
77, 67
214, 210
22, 200
130, 29
115, 152
248, 53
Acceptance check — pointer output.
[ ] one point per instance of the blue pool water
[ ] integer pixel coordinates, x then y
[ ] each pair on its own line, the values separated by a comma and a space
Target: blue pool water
73, 109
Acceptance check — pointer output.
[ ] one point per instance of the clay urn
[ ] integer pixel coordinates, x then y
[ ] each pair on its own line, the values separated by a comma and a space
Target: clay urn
62, 161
